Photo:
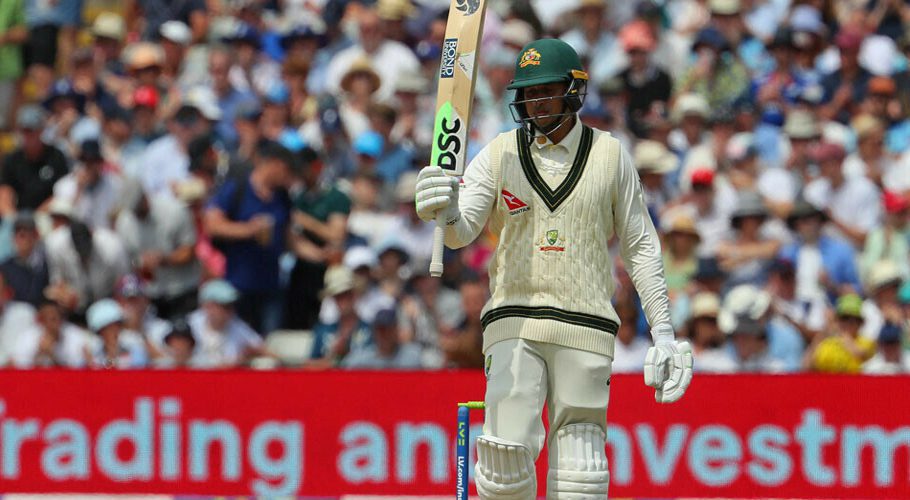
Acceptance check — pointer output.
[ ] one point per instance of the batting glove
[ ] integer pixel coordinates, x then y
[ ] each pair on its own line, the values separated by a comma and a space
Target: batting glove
668, 365
436, 191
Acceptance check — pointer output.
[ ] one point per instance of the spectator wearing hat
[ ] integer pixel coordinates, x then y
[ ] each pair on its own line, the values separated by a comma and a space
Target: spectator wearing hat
594, 41
414, 234
648, 86
395, 158
252, 70
708, 341
681, 242
890, 359
85, 262
14, 317
319, 229
888, 241
843, 350
854, 207
387, 351
414, 121
251, 217
175, 38
120, 144
223, 339
360, 82
139, 317
93, 188
744, 319
747, 255
108, 34
30, 172
654, 161
777, 86
51, 341
371, 295
390, 58
689, 113
846, 87
802, 131
115, 349
335, 339
25, 272
882, 284
146, 101
229, 98
13, 35
825, 264
705, 205
143, 62
67, 124
302, 104
881, 100
872, 160
159, 235
393, 14
179, 347
428, 311
716, 74
165, 160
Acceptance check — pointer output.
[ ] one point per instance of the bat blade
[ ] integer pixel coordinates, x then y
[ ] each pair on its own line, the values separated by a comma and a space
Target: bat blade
454, 99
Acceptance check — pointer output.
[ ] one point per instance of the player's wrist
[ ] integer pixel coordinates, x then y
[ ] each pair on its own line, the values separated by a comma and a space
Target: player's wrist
662, 334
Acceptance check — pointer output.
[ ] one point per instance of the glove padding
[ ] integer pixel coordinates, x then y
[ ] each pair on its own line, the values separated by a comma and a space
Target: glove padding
668, 368
436, 191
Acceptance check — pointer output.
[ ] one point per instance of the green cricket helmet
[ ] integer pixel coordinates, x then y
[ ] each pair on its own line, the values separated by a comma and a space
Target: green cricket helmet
544, 61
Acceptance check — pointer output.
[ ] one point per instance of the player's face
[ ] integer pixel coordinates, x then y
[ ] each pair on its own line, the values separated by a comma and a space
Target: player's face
547, 103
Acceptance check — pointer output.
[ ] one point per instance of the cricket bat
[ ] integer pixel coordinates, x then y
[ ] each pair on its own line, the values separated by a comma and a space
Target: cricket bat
454, 97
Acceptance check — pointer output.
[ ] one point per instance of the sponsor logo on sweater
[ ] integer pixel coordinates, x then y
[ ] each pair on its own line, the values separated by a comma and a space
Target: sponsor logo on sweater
552, 242
513, 203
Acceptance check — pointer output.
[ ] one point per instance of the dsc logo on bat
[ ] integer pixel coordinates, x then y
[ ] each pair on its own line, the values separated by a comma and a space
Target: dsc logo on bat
448, 143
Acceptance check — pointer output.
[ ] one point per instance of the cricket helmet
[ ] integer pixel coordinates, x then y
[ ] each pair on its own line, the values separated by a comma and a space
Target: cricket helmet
545, 61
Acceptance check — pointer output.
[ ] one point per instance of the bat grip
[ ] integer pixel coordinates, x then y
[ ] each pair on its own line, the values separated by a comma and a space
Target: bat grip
438, 245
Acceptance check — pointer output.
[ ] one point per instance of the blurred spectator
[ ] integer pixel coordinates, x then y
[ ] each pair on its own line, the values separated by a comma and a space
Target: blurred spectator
395, 159
165, 160
654, 161
629, 348
871, 160
334, 341
648, 85
175, 38
223, 340
712, 218
598, 47
15, 316
84, 263
807, 315
414, 234
462, 346
319, 228
843, 350
387, 351
371, 296
160, 238
890, 359
51, 36
193, 13
881, 305
93, 188
889, 240
29, 173
13, 34
230, 98
390, 58
252, 70
359, 83
25, 272
52, 341
845, 87
179, 345
251, 217
139, 317
748, 254
825, 265
853, 208
67, 122
744, 318
114, 350
689, 113
680, 243
716, 74
708, 341
302, 104
428, 312
108, 35
368, 218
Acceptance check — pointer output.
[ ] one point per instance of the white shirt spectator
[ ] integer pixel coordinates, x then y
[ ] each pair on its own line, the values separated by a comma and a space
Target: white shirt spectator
96, 280
167, 227
856, 202
895, 173
163, 163
14, 318
630, 358
878, 366
72, 350
93, 205
714, 361
220, 348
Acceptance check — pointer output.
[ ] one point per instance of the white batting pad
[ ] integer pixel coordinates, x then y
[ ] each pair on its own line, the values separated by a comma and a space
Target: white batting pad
581, 472
504, 470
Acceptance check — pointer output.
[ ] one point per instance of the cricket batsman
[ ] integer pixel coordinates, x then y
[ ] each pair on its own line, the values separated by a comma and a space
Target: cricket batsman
554, 191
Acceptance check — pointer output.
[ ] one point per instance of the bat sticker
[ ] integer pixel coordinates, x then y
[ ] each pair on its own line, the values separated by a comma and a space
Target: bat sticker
449, 54
468, 7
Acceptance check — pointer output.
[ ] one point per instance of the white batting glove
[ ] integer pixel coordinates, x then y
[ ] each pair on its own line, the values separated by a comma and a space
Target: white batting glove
668, 365
436, 191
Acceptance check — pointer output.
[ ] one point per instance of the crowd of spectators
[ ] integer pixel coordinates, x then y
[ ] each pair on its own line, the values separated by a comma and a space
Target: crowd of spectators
182, 178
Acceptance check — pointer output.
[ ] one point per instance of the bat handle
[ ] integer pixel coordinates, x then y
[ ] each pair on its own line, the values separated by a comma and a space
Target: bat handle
438, 245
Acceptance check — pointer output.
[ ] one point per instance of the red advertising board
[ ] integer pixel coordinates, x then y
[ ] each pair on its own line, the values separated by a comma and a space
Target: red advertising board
334, 433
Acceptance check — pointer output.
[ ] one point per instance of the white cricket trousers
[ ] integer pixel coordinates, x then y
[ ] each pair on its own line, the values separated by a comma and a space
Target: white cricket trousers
522, 375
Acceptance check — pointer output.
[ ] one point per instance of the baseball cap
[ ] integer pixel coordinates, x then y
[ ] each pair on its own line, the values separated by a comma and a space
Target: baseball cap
705, 305
386, 317
895, 202
146, 96
218, 291
890, 334
360, 256
130, 285
25, 219
827, 151
850, 305
103, 313
109, 25
369, 143
176, 31
882, 85
724, 7
90, 151
338, 279
702, 177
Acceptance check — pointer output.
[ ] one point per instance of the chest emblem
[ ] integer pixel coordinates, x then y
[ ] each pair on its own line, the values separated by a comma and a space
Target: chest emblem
552, 242
513, 203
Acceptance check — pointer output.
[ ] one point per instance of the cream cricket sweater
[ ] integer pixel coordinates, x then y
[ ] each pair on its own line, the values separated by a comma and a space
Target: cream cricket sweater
554, 209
